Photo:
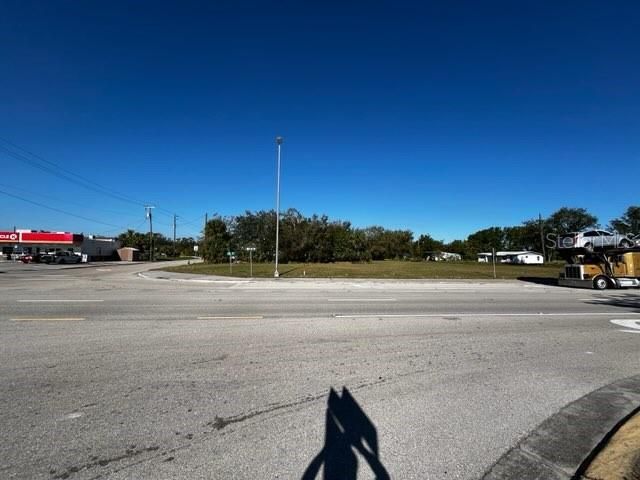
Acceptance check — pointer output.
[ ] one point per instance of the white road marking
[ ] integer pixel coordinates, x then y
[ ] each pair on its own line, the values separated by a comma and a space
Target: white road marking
241, 317
634, 324
103, 269
47, 319
437, 315
361, 299
59, 300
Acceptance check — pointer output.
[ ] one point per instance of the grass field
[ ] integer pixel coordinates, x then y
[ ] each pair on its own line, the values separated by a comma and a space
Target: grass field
381, 269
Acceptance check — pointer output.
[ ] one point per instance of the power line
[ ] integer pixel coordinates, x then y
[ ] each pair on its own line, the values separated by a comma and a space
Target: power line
41, 163
68, 176
119, 229
60, 172
59, 210
68, 202
191, 222
69, 172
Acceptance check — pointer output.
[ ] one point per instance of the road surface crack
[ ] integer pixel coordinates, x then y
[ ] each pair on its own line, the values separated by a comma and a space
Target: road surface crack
218, 423
130, 452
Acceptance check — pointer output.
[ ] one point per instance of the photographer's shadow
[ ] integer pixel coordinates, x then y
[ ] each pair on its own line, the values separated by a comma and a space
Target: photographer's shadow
347, 428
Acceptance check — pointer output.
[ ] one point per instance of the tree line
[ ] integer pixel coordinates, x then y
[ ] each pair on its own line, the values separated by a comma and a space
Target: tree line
319, 239
163, 246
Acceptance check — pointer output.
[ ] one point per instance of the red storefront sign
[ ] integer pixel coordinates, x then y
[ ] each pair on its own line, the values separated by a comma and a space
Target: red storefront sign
49, 238
9, 237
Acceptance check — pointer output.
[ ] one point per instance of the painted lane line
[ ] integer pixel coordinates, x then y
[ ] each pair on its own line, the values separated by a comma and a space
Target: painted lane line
438, 315
103, 269
56, 300
361, 300
634, 324
47, 319
243, 317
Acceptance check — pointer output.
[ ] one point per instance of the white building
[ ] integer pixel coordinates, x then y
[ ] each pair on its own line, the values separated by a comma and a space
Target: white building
520, 257
96, 248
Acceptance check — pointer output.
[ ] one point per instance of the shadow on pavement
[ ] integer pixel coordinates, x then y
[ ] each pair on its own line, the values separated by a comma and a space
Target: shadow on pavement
628, 301
347, 428
540, 280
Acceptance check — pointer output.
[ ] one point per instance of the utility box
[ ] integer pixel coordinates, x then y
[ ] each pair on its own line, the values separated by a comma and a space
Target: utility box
129, 254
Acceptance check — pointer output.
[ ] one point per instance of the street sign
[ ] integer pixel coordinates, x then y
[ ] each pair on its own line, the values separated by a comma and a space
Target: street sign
250, 250
195, 248
231, 254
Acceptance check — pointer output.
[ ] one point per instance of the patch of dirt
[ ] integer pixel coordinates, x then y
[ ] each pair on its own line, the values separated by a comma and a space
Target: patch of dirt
620, 458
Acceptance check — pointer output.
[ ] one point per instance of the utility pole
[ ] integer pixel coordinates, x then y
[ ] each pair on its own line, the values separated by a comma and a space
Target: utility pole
149, 214
279, 140
204, 234
544, 253
174, 235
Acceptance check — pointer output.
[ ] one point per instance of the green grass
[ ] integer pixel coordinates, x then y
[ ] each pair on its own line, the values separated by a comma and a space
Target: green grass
381, 269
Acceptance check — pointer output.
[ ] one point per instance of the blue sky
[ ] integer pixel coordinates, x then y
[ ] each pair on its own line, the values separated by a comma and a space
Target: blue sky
439, 117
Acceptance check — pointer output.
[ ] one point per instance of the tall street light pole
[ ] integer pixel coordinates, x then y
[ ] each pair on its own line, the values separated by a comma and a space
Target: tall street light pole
279, 147
148, 209
174, 235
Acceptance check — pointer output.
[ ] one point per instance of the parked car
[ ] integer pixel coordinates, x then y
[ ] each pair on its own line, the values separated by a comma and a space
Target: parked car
67, 257
595, 239
26, 258
45, 257
60, 257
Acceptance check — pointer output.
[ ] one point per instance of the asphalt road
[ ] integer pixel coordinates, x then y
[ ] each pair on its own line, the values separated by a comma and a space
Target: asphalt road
108, 374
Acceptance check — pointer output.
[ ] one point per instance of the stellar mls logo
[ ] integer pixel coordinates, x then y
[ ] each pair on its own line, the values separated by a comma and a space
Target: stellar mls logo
9, 236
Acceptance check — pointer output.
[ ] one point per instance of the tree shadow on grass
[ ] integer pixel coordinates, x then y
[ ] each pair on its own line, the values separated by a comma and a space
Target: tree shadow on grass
285, 272
347, 429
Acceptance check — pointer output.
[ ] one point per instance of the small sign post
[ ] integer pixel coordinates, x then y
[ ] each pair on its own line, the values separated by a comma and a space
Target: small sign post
250, 250
231, 256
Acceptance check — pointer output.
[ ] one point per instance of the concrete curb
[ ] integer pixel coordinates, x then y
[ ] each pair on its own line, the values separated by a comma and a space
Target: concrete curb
99, 265
35, 267
163, 278
562, 446
159, 274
